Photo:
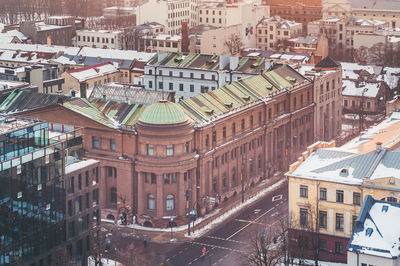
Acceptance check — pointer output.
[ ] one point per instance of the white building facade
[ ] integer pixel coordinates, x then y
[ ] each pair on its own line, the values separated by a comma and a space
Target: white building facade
99, 39
270, 31
170, 13
190, 79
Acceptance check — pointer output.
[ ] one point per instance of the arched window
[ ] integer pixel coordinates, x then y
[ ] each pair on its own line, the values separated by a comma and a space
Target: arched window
169, 203
151, 202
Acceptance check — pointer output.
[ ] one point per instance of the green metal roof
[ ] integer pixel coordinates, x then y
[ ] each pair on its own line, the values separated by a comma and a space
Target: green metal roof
163, 113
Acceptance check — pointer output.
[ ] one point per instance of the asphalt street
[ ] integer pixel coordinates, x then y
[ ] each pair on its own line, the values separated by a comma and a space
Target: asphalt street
229, 242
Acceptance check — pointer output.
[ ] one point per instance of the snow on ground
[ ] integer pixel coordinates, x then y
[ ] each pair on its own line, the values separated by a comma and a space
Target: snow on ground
234, 210
106, 262
212, 224
321, 263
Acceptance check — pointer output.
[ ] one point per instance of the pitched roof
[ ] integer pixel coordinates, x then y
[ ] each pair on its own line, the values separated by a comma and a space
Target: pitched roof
361, 88
377, 231
357, 160
129, 94
90, 72
206, 107
24, 100
327, 62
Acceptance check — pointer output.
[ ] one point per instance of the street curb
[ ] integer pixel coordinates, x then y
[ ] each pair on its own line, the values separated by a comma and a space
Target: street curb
181, 235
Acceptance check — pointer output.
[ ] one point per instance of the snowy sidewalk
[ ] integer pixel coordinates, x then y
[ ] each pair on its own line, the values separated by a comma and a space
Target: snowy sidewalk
207, 222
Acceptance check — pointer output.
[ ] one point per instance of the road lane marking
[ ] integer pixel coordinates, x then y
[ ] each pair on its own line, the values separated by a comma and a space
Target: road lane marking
251, 222
274, 214
244, 227
220, 238
256, 211
277, 197
215, 246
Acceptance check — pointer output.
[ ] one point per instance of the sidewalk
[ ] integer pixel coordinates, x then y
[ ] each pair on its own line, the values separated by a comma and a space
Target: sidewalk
202, 224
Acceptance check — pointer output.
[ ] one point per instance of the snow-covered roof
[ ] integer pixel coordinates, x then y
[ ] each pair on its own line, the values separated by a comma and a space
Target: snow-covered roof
391, 76
369, 22
16, 33
377, 230
86, 73
79, 165
351, 70
42, 26
116, 54
360, 88
357, 159
281, 23
39, 48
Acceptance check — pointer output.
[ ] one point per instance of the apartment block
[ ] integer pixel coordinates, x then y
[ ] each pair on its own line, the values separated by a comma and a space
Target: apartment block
327, 186
271, 33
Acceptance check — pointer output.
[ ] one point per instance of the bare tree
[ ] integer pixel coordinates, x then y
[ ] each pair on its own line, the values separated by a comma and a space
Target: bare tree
266, 249
234, 44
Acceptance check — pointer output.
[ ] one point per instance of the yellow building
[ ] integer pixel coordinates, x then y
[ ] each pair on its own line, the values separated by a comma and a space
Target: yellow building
328, 184
77, 81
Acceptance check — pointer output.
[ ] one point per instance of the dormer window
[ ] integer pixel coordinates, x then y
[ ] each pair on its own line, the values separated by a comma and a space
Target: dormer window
369, 231
385, 208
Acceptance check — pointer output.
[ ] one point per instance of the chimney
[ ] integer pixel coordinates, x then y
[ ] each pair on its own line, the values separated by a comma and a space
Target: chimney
233, 62
185, 37
378, 146
267, 65
224, 61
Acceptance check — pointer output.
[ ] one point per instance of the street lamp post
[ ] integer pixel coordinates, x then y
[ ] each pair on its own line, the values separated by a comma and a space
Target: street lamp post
362, 108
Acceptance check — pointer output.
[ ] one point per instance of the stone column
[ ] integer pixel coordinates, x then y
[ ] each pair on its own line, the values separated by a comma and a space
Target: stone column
194, 189
180, 196
140, 188
160, 196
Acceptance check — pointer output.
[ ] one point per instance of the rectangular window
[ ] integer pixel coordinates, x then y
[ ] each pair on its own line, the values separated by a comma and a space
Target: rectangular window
71, 185
87, 200
170, 150
150, 149
322, 193
171, 86
181, 87
353, 221
112, 144
242, 125
79, 181
339, 247
150, 84
187, 146
214, 137
339, 196
224, 132
153, 178
322, 219
166, 179
95, 142
322, 244
78, 204
356, 198
339, 221
303, 217
191, 88
233, 128
304, 191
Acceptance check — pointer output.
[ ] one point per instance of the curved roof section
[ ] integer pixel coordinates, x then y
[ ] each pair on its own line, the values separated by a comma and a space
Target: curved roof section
163, 112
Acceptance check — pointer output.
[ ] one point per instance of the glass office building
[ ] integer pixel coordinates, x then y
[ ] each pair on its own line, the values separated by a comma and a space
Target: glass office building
32, 192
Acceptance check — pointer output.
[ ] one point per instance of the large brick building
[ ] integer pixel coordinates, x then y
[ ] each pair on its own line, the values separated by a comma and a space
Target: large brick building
302, 11
167, 158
